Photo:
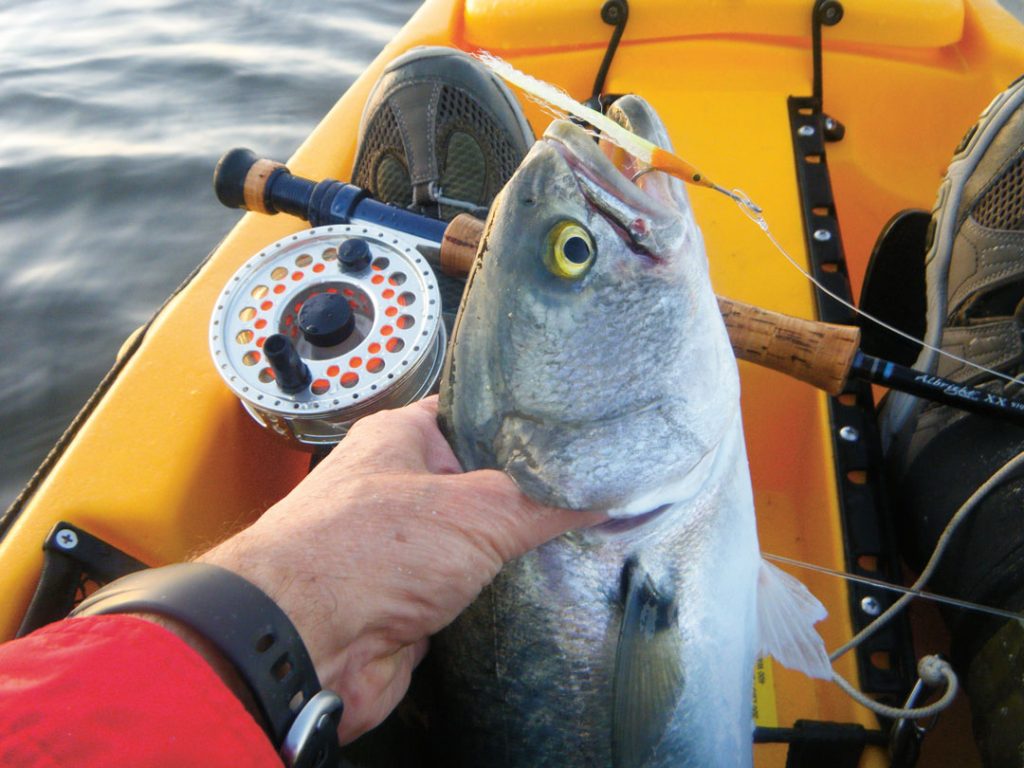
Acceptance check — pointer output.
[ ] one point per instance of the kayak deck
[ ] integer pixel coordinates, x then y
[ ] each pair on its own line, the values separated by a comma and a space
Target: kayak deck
167, 462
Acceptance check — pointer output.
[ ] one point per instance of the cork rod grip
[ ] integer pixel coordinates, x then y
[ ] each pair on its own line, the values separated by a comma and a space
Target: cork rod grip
254, 189
817, 353
458, 249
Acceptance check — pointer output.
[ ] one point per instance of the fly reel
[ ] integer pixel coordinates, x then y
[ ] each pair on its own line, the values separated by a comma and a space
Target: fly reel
328, 325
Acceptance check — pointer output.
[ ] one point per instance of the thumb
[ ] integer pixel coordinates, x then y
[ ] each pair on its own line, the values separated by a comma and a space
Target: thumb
512, 522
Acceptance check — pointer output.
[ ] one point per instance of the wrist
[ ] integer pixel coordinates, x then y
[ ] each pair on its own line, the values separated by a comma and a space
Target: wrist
249, 631
328, 629
214, 658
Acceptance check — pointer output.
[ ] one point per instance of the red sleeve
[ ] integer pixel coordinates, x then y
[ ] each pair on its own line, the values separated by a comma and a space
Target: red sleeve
119, 690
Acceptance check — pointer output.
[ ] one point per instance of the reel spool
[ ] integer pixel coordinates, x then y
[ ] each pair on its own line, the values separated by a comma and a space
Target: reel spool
328, 325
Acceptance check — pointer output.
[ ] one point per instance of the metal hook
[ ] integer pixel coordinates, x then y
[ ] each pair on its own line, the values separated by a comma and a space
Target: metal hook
638, 174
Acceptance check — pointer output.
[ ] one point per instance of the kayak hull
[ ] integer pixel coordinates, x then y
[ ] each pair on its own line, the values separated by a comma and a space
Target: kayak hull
164, 461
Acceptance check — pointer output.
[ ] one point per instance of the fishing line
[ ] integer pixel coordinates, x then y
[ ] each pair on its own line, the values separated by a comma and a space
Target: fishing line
1002, 474
931, 670
558, 103
762, 224
956, 602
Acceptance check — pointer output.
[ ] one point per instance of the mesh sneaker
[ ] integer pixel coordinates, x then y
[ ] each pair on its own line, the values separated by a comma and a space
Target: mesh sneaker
439, 134
974, 274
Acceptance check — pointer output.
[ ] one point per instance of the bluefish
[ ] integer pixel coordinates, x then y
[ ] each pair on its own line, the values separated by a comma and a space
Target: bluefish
589, 361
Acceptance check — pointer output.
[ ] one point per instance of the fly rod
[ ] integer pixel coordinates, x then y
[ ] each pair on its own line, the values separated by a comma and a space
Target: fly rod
824, 355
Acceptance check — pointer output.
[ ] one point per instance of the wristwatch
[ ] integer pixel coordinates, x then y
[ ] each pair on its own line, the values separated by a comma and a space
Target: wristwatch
252, 632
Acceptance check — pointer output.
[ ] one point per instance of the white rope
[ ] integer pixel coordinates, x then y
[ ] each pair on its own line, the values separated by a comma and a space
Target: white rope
933, 672
931, 669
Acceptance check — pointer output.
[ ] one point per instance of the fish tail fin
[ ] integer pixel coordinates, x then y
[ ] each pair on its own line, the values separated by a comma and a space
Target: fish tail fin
786, 615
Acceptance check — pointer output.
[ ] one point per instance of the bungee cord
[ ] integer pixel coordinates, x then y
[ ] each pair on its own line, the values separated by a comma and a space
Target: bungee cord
932, 670
997, 478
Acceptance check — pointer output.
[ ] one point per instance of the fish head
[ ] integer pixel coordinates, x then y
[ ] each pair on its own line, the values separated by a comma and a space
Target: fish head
589, 360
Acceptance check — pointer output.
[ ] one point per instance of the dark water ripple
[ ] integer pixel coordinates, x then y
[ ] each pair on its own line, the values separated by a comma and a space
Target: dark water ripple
98, 102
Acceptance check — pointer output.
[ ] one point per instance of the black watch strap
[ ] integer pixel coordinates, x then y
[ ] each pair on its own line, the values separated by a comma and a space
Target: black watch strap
253, 633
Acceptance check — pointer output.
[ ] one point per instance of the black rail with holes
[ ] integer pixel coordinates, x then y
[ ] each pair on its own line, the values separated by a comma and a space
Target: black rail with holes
885, 660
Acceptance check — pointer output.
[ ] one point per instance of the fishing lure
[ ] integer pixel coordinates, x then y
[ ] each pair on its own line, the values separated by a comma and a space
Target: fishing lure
657, 158
560, 103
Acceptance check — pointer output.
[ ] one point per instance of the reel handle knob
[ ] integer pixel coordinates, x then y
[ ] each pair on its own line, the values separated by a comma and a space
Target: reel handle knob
291, 374
354, 255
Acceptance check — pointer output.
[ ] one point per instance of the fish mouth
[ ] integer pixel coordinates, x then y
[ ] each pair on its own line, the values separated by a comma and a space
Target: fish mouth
641, 207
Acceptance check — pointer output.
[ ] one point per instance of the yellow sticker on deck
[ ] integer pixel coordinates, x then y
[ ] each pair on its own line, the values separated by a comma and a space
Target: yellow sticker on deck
765, 714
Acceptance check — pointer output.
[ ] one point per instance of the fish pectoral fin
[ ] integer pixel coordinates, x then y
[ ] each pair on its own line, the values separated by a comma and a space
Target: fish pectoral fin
648, 677
786, 615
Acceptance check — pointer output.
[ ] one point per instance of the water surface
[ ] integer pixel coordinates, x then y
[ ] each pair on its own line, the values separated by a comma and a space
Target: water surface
113, 114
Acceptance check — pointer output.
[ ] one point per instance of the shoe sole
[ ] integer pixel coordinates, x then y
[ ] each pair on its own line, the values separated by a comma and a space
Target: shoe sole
901, 408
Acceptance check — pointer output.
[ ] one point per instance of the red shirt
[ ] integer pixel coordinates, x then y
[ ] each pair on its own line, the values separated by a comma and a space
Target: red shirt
119, 690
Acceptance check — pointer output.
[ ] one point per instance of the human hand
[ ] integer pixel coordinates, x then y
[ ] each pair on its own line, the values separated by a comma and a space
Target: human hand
381, 546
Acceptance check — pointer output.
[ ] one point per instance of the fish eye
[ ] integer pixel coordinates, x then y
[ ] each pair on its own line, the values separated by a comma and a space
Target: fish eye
570, 250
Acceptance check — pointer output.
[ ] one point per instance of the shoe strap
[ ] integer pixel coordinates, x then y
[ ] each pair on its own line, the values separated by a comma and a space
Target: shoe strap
415, 104
983, 259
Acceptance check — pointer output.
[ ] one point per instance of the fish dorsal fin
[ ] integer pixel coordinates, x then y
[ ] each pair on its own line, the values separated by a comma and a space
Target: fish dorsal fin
786, 615
648, 668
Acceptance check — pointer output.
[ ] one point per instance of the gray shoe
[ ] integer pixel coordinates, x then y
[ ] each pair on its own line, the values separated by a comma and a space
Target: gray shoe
938, 456
439, 134
974, 275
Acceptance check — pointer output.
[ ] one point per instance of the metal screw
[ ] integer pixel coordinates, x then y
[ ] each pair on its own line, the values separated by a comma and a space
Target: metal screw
831, 12
67, 539
849, 434
870, 606
805, 130
822, 235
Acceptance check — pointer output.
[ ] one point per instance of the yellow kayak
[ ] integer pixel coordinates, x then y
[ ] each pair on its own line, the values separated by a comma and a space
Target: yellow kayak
903, 78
